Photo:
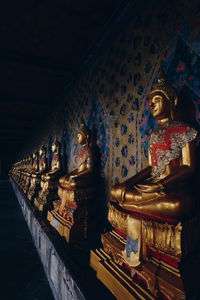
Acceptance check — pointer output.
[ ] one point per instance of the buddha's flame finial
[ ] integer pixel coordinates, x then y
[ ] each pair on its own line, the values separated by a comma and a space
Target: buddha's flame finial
161, 75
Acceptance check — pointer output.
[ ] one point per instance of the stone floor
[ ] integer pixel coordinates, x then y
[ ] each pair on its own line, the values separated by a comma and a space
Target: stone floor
21, 273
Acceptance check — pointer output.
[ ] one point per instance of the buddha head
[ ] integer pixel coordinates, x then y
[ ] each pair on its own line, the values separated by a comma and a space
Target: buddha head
56, 147
83, 135
35, 155
163, 99
42, 151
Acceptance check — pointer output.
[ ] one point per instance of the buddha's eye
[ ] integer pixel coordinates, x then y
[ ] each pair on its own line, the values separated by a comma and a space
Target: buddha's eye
157, 99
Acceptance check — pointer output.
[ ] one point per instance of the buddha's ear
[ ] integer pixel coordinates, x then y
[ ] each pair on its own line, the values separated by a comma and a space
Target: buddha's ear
173, 108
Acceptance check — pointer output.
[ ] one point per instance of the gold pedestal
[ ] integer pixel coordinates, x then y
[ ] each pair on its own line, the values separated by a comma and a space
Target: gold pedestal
27, 184
167, 256
62, 225
117, 279
174, 240
159, 276
42, 204
154, 277
34, 189
76, 224
32, 193
71, 216
38, 203
44, 200
97, 256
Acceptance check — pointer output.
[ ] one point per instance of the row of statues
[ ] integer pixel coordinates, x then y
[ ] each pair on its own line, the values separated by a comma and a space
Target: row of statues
152, 213
64, 200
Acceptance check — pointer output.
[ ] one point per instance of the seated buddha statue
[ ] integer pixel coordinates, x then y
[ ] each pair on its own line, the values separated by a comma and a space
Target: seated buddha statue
26, 172
82, 175
75, 191
162, 189
39, 166
32, 169
153, 211
36, 167
20, 171
42, 165
49, 180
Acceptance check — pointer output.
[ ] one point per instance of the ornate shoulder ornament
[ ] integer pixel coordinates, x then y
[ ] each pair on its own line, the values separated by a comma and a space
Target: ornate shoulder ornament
84, 155
166, 144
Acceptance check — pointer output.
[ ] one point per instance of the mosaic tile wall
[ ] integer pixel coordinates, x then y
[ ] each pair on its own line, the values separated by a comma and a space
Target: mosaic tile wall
112, 94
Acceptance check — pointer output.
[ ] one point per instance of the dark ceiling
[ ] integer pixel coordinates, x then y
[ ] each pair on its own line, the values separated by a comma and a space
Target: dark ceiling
42, 44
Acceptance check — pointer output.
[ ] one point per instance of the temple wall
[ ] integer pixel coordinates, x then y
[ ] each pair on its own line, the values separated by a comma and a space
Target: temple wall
111, 94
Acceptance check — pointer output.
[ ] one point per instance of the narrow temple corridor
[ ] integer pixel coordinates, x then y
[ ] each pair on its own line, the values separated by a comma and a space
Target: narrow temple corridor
22, 275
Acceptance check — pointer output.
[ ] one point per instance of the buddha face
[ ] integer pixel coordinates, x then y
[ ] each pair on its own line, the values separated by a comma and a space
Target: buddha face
53, 147
42, 151
81, 138
160, 107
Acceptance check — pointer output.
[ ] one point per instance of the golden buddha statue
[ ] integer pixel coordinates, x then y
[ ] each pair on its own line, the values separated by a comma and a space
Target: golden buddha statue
34, 171
161, 190
32, 168
26, 173
154, 211
49, 180
36, 175
70, 215
42, 165
20, 169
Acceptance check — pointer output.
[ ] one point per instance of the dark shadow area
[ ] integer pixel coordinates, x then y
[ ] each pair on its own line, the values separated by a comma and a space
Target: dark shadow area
187, 111
22, 275
100, 201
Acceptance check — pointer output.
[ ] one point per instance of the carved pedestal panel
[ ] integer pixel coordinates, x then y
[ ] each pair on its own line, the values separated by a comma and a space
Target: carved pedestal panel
46, 195
72, 219
167, 258
62, 224
112, 272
